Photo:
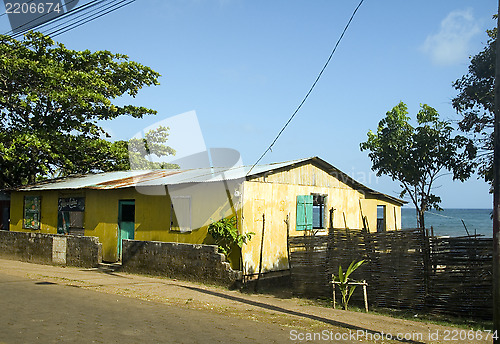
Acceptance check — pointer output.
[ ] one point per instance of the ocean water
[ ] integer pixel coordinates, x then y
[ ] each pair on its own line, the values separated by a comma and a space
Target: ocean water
448, 222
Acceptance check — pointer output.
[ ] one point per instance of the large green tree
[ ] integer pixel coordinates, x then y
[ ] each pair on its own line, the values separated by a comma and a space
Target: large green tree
475, 102
416, 156
51, 101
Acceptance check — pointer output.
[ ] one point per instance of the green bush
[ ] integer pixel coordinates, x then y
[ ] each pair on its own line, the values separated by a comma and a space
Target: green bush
226, 235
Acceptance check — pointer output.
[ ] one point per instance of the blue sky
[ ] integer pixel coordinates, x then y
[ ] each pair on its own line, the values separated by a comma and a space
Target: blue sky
244, 66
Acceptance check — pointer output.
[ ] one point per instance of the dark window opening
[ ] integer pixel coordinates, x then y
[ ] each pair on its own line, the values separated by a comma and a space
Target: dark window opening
380, 218
128, 213
4, 215
70, 217
318, 211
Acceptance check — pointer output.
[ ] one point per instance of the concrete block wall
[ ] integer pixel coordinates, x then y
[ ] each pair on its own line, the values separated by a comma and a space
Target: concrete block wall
51, 249
83, 251
201, 263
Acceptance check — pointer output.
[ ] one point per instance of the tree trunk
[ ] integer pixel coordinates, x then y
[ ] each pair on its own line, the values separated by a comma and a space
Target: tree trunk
421, 219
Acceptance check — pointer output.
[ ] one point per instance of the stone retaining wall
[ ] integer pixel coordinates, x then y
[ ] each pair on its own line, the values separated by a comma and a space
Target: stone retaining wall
51, 248
201, 263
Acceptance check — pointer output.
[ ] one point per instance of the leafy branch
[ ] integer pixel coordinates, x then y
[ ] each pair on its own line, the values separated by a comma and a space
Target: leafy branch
226, 235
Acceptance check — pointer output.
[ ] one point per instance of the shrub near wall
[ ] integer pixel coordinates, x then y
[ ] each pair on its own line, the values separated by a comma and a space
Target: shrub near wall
201, 263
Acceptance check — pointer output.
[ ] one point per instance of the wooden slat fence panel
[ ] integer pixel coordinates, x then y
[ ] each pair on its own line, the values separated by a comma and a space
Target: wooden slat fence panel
396, 263
309, 261
345, 246
461, 279
404, 269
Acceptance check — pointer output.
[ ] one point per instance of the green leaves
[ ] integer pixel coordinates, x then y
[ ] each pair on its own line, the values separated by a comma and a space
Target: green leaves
51, 98
342, 278
226, 235
475, 102
416, 156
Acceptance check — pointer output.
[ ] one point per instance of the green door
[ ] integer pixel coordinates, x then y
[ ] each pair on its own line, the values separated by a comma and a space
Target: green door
126, 222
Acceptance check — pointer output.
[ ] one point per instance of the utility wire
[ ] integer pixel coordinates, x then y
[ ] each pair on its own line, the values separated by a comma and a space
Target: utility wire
70, 20
61, 17
310, 90
36, 18
64, 25
96, 16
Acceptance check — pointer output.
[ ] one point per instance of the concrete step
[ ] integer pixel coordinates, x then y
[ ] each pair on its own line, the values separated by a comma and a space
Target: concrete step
109, 267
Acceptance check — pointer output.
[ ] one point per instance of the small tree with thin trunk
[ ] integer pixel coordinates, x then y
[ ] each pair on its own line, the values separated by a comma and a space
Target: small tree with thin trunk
417, 156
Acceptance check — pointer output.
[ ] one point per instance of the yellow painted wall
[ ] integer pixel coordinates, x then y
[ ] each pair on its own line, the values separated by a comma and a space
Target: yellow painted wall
209, 202
275, 196
392, 214
48, 208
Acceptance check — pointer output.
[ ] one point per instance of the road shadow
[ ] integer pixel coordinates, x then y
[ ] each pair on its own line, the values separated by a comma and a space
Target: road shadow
295, 313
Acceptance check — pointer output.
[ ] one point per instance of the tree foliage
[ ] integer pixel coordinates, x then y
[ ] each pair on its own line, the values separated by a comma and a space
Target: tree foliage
475, 102
417, 156
51, 101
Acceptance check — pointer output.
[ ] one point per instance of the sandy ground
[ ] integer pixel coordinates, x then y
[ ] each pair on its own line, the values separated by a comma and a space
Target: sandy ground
298, 318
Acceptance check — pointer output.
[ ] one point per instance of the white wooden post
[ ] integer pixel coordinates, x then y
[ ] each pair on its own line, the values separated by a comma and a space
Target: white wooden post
365, 295
333, 283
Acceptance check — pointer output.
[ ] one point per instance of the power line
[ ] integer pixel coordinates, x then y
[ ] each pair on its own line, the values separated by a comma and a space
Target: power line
63, 16
89, 13
34, 19
310, 90
70, 17
70, 20
96, 16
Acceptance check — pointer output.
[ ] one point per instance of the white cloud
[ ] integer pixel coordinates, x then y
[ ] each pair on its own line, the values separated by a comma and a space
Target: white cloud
451, 44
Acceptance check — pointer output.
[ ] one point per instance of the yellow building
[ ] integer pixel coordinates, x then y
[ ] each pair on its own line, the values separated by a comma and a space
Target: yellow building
299, 197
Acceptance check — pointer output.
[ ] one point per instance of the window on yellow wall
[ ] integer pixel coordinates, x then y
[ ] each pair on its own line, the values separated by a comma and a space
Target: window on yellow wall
32, 212
318, 211
70, 216
381, 223
180, 214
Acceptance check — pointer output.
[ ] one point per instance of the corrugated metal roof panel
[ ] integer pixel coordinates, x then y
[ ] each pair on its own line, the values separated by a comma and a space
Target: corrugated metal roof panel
123, 179
215, 174
81, 181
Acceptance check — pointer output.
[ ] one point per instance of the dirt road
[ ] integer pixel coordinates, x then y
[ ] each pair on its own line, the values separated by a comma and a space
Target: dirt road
49, 304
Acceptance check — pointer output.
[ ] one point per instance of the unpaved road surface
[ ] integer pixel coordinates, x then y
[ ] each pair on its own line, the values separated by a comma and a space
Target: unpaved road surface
50, 304
42, 312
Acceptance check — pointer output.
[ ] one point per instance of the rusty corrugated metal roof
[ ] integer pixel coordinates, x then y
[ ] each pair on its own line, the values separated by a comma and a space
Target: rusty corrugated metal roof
133, 178
123, 179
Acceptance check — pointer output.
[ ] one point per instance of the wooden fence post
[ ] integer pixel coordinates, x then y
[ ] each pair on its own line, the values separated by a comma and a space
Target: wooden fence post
365, 295
333, 282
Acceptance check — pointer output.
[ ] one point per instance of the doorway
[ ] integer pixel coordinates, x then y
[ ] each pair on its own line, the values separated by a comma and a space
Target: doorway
126, 222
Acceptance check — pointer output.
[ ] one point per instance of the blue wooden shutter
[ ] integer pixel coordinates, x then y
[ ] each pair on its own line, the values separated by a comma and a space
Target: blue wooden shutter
304, 212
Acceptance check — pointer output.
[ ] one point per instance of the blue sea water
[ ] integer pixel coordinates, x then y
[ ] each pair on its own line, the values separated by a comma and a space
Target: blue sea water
448, 222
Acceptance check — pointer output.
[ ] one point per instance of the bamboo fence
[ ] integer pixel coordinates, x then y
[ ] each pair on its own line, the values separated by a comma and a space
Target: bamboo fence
404, 269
